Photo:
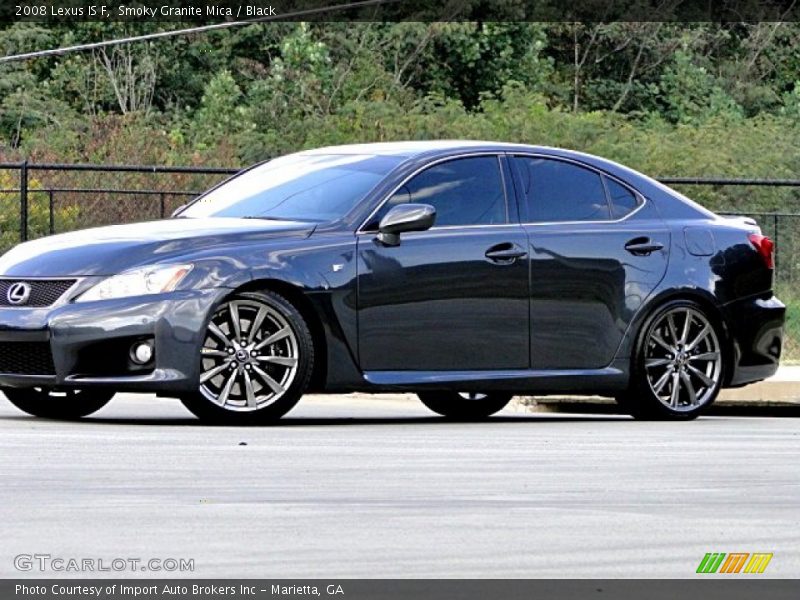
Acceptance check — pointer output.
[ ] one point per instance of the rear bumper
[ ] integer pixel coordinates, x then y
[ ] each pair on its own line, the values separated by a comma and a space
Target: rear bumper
756, 329
89, 342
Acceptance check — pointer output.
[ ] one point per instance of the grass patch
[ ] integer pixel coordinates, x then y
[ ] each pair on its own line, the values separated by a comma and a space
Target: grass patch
791, 341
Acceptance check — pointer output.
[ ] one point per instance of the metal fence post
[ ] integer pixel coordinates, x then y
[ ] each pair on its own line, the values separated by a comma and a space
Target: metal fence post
23, 201
777, 247
52, 212
163, 204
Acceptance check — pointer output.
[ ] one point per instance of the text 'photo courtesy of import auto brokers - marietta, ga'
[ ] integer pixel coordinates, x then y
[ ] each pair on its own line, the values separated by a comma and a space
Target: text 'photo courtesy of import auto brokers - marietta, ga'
143, 591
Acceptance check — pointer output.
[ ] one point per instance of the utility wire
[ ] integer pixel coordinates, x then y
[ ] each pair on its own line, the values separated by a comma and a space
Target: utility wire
199, 29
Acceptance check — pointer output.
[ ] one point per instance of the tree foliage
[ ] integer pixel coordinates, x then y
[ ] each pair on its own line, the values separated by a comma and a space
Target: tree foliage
667, 98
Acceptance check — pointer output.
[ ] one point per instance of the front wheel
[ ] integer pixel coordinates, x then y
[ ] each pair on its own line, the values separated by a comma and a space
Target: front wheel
467, 406
65, 405
255, 362
678, 366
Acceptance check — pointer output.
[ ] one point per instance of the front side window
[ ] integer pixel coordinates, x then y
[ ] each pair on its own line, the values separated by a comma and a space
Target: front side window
464, 191
557, 191
311, 187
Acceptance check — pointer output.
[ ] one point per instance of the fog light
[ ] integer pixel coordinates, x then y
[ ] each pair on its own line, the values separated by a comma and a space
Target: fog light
142, 352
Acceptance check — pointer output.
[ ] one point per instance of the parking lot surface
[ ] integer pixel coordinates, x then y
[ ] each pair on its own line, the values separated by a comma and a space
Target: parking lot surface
359, 486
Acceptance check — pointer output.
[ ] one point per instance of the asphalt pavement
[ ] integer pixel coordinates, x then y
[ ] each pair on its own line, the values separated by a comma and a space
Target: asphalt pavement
375, 487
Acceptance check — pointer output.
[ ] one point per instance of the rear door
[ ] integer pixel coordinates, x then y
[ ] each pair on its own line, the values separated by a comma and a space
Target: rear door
455, 297
597, 250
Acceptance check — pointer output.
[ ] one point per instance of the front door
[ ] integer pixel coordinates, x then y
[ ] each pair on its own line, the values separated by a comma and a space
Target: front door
455, 297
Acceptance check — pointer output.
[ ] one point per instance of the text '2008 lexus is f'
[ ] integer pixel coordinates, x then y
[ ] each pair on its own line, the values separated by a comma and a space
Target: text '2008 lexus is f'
465, 272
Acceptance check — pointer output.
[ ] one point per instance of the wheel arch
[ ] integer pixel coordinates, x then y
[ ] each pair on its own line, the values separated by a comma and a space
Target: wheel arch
305, 307
706, 301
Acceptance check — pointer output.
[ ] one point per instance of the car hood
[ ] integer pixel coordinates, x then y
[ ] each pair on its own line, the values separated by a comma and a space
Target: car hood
110, 250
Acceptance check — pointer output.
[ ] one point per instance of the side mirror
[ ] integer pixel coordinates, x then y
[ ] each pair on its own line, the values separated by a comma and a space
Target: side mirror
405, 217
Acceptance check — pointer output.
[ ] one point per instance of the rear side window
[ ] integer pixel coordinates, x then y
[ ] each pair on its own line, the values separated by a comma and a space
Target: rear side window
464, 191
556, 191
623, 201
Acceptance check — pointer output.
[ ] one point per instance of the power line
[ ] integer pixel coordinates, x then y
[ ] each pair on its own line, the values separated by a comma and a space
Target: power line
199, 29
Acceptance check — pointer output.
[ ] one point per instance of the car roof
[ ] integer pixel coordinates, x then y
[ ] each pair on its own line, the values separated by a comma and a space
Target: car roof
430, 149
433, 148
412, 149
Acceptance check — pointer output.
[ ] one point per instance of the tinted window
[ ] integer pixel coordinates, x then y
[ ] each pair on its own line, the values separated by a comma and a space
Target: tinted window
310, 187
560, 191
465, 191
622, 199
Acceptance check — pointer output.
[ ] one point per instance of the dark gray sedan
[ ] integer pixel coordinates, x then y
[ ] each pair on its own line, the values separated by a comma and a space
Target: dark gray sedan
463, 271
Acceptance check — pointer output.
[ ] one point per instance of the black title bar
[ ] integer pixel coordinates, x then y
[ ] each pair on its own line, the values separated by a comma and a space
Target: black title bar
708, 588
205, 12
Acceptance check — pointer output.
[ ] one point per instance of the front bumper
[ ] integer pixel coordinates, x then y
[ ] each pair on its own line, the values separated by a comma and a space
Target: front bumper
89, 342
756, 330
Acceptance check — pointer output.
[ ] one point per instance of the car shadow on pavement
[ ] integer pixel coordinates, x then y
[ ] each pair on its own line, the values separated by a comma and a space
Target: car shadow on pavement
329, 421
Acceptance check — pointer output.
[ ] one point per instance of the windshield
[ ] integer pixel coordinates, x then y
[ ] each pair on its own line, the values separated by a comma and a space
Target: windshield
297, 187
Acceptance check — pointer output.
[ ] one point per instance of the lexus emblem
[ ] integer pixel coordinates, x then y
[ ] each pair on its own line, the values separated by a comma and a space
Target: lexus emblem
18, 293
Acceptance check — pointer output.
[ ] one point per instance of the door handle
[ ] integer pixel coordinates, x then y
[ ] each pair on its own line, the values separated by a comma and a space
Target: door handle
505, 253
642, 246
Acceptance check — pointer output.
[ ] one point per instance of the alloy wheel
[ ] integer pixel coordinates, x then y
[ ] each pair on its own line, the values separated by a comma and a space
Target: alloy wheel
249, 357
683, 359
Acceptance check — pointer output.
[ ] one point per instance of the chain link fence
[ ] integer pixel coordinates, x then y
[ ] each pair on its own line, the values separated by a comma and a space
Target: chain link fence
40, 199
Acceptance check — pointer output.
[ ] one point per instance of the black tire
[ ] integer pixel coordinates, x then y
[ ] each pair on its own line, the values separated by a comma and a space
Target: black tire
67, 405
464, 406
686, 366
241, 405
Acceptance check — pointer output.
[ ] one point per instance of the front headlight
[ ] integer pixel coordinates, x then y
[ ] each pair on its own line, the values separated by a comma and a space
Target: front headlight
137, 282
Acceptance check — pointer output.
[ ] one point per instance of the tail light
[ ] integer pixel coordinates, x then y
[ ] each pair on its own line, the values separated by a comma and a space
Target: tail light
765, 247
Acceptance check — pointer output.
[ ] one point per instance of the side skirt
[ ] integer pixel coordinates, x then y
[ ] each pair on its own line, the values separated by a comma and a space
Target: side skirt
610, 379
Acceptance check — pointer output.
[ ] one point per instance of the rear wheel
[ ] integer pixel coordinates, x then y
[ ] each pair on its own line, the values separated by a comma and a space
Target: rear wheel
255, 362
64, 405
678, 367
468, 406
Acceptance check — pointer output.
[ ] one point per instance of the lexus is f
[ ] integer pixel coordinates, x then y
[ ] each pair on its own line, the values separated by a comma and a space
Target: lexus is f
463, 272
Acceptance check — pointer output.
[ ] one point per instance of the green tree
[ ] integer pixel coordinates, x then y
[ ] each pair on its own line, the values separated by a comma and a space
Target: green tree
26, 99
690, 93
221, 112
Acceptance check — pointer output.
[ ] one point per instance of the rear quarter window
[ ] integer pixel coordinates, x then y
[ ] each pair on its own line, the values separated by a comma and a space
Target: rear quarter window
622, 201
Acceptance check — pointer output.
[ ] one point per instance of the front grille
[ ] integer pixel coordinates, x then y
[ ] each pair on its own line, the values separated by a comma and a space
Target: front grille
44, 292
26, 358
